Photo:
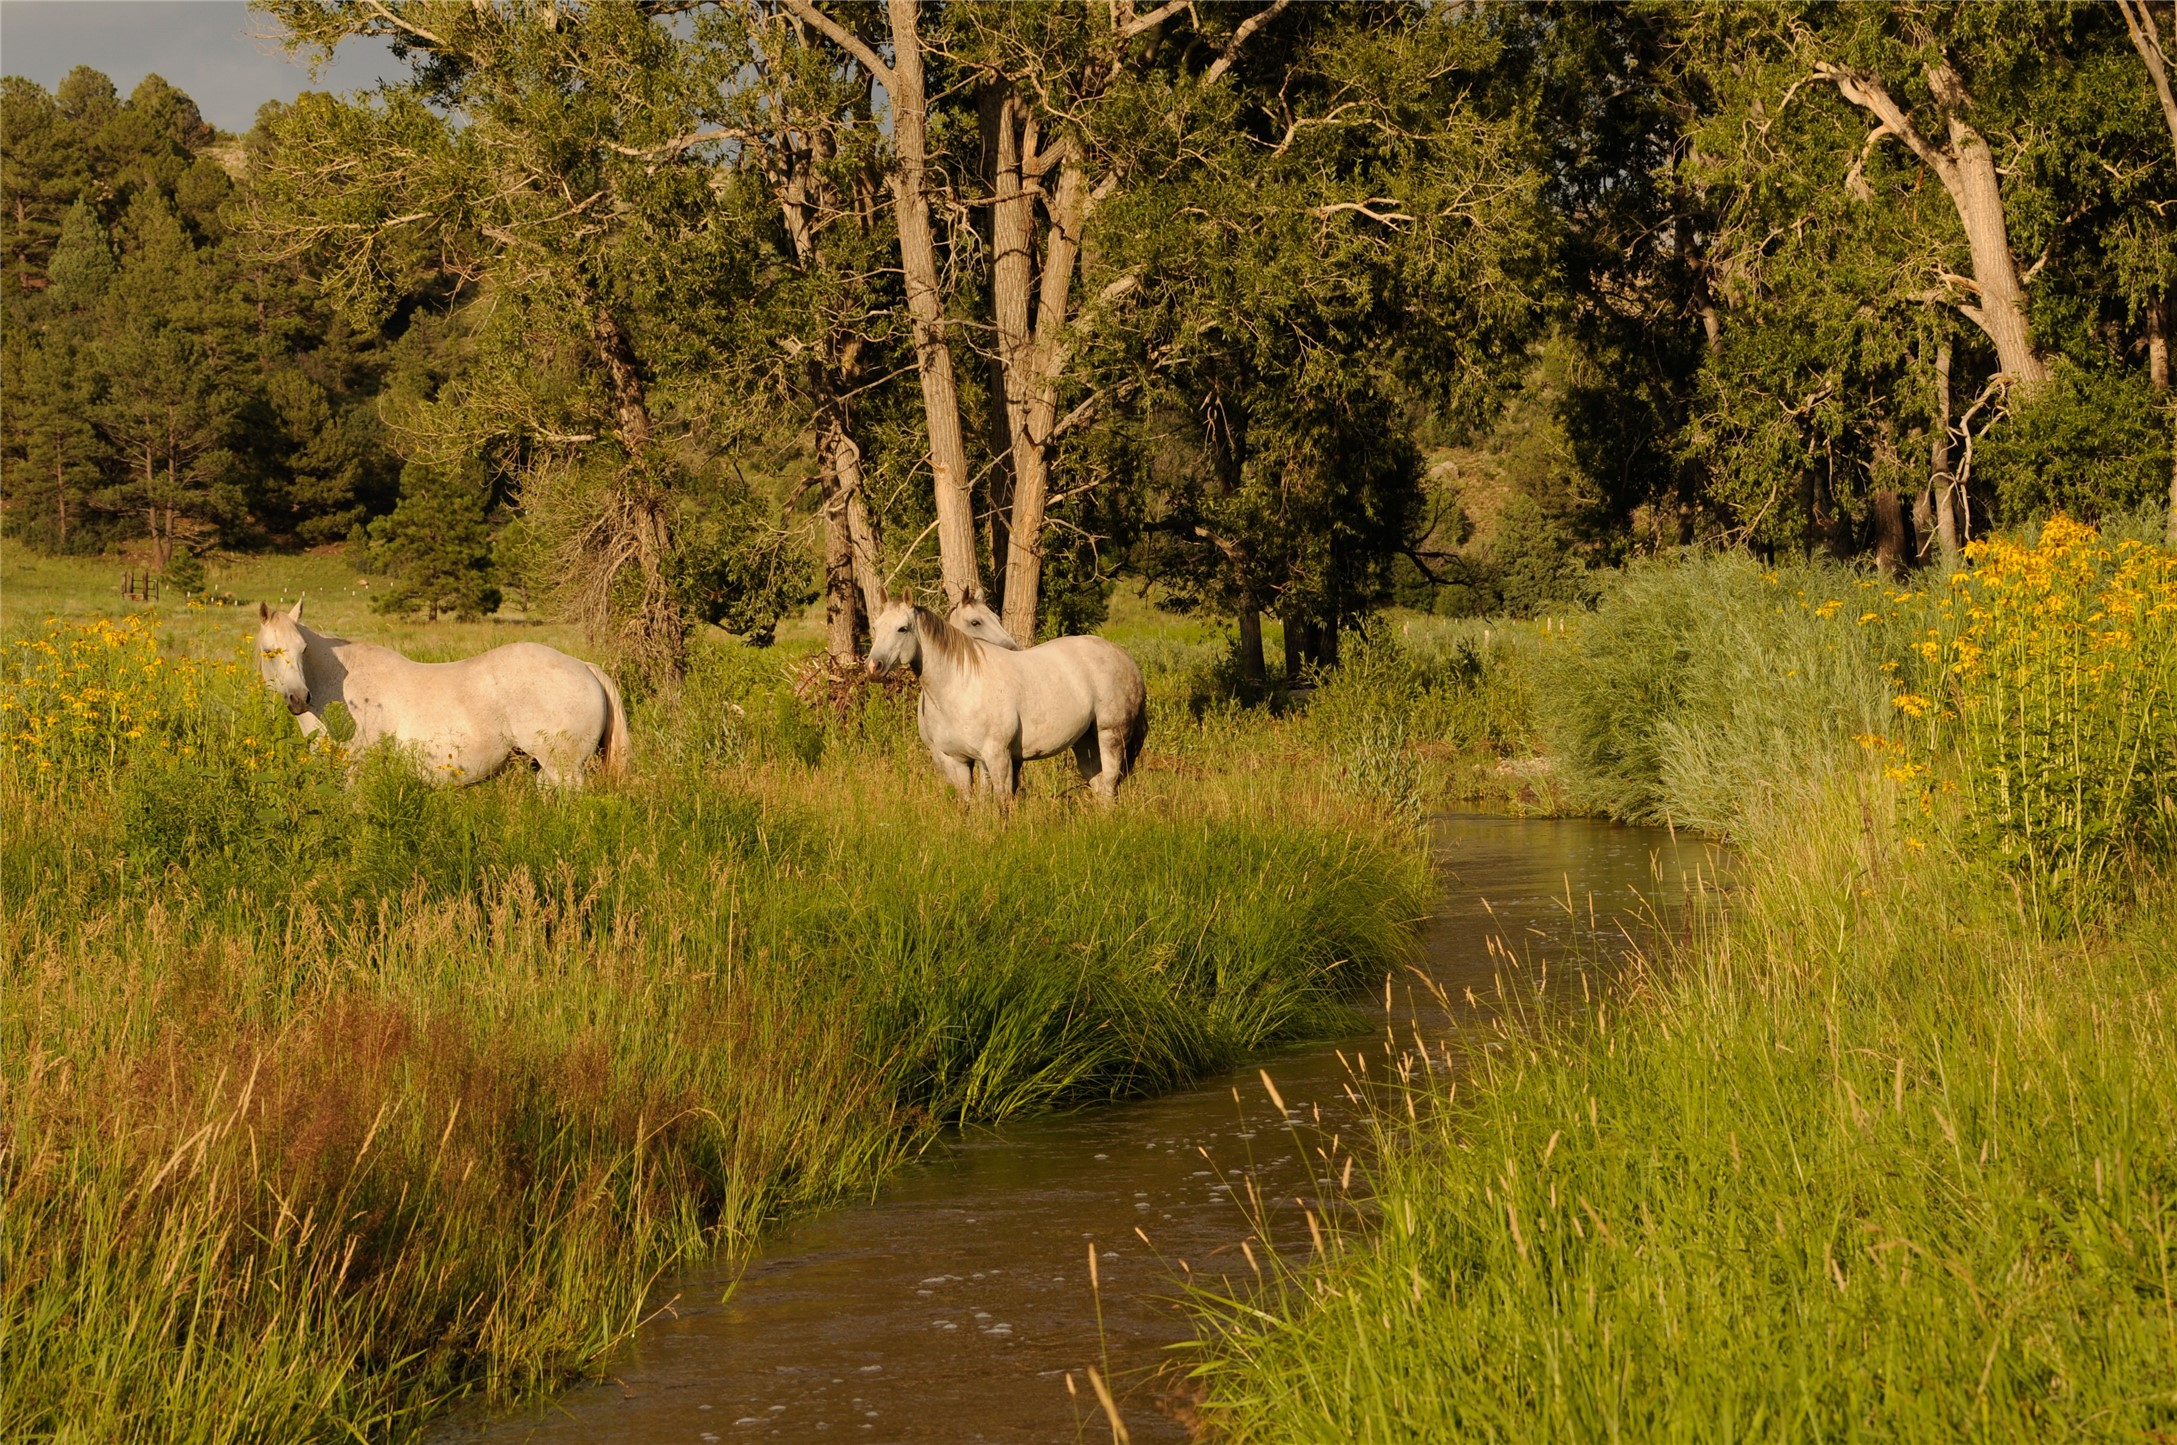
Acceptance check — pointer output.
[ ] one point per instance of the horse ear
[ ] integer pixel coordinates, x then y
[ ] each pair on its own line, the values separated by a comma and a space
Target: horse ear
294, 613
264, 613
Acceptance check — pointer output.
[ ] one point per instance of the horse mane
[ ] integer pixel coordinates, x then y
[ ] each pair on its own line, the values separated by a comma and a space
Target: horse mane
958, 648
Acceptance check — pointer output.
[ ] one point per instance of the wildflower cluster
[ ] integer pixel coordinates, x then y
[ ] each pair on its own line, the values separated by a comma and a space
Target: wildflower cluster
85, 698
2048, 674
81, 696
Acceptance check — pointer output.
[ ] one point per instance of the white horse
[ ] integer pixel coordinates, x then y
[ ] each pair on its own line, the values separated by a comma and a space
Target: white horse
998, 706
462, 719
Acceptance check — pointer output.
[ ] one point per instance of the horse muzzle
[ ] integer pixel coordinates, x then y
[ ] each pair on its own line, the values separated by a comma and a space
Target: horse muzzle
296, 706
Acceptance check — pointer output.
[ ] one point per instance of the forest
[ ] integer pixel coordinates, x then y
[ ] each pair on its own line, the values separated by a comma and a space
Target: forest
664, 315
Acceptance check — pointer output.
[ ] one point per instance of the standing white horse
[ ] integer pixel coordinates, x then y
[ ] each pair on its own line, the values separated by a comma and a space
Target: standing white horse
997, 707
463, 719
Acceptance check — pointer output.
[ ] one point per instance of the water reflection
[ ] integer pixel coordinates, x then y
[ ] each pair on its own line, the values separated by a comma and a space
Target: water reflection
958, 1306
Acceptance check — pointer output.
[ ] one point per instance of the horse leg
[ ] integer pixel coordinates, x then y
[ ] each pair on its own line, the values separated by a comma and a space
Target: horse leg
1002, 770
957, 771
1111, 741
559, 758
1085, 757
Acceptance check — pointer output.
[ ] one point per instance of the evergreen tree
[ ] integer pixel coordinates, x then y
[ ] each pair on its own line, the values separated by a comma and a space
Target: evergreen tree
53, 454
436, 547
83, 265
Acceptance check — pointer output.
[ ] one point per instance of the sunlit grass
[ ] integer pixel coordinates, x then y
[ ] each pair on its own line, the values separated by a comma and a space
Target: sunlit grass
328, 1100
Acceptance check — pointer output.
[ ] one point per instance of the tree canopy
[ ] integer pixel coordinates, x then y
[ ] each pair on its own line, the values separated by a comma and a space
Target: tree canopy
1283, 308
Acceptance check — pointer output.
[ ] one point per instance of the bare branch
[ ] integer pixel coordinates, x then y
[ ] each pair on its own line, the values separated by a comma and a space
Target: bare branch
1137, 24
404, 26
2147, 40
667, 150
1387, 218
1870, 95
1855, 180
1248, 27
844, 38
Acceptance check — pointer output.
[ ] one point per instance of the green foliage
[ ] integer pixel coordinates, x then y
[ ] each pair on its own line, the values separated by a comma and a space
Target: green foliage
155, 354
1533, 565
185, 572
1703, 691
1287, 325
436, 546
2096, 445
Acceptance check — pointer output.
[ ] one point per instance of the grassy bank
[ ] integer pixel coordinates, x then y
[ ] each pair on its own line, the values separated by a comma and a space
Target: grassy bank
1887, 1153
327, 1102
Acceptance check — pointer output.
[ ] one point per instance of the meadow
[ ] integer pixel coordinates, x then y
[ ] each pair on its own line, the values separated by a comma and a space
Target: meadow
327, 1103
1887, 1151
330, 1102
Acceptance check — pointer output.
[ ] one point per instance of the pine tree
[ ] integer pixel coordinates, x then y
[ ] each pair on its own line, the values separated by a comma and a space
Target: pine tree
83, 265
53, 452
436, 546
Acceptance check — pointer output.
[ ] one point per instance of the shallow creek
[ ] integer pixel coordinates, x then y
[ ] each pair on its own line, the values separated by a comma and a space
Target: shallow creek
957, 1305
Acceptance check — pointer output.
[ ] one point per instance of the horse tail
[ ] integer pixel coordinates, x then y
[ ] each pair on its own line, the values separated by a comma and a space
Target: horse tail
1137, 732
615, 747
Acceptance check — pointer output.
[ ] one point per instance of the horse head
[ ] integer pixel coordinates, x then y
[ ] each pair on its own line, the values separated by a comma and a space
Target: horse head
280, 645
975, 618
892, 640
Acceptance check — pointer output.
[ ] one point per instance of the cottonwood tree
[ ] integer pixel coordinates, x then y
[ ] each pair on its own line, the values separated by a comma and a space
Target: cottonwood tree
806, 322
1349, 231
1048, 83
1914, 218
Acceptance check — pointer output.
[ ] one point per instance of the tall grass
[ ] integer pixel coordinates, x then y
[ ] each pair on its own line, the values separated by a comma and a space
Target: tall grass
1890, 1153
1701, 684
1872, 1161
328, 1100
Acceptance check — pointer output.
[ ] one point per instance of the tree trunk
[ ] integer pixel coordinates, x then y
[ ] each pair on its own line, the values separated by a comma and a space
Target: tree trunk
1043, 361
1978, 195
60, 494
926, 306
657, 634
630, 407
842, 598
1967, 171
1253, 671
2158, 342
1009, 131
865, 545
1942, 482
1892, 547
1296, 649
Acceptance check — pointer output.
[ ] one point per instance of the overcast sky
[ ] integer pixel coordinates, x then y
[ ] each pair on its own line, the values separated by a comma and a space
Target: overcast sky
214, 50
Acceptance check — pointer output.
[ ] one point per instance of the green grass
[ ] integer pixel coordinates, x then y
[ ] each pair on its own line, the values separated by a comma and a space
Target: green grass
1885, 1152
326, 1103
1872, 1161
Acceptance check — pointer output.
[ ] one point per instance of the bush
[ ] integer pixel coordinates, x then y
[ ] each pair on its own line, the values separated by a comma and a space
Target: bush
185, 572
1705, 687
2095, 445
436, 547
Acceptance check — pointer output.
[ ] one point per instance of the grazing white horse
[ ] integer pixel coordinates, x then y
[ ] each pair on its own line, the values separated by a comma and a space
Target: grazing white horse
462, 719
1000, 706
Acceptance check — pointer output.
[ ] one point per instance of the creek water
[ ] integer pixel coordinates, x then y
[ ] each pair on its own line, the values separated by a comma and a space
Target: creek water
958, 1307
